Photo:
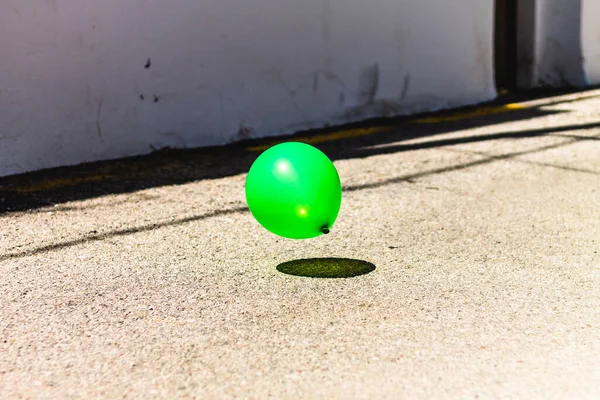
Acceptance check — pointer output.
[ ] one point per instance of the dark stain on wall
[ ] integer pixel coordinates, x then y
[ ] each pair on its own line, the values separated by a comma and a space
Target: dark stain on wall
368, 84
405, 86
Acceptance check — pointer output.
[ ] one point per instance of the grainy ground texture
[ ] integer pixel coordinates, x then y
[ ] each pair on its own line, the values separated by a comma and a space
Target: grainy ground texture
484, 233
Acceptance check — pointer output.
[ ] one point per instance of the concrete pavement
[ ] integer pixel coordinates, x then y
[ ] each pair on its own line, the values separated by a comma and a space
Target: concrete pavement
484, 235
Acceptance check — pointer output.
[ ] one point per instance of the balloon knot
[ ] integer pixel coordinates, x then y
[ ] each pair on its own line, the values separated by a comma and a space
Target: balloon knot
325, 230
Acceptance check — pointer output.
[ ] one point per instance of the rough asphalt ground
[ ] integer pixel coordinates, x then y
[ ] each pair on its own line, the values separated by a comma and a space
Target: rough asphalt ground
484, 234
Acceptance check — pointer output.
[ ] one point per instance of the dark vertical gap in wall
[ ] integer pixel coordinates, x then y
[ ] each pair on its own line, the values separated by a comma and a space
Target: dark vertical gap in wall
505, 44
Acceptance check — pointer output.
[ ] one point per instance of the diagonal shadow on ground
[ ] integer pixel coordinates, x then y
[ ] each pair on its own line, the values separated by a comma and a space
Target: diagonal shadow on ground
172, 167
570, 139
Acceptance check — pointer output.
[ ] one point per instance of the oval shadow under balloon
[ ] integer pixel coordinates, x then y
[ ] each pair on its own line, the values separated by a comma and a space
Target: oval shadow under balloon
326, 267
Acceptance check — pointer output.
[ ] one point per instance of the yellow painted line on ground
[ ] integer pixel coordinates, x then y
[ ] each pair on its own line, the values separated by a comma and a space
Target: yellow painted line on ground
58, 183
478, 112
328, 137
346, 134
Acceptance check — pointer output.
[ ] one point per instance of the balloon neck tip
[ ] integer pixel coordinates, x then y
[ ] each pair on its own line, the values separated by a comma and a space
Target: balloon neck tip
325, 230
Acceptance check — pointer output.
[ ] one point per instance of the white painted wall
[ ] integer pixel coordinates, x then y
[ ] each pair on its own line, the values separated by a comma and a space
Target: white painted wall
72, 73
559, 31
590, 38
559, 43
550, 43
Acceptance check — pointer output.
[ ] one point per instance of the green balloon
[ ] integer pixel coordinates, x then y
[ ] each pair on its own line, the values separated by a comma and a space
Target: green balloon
293, 190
